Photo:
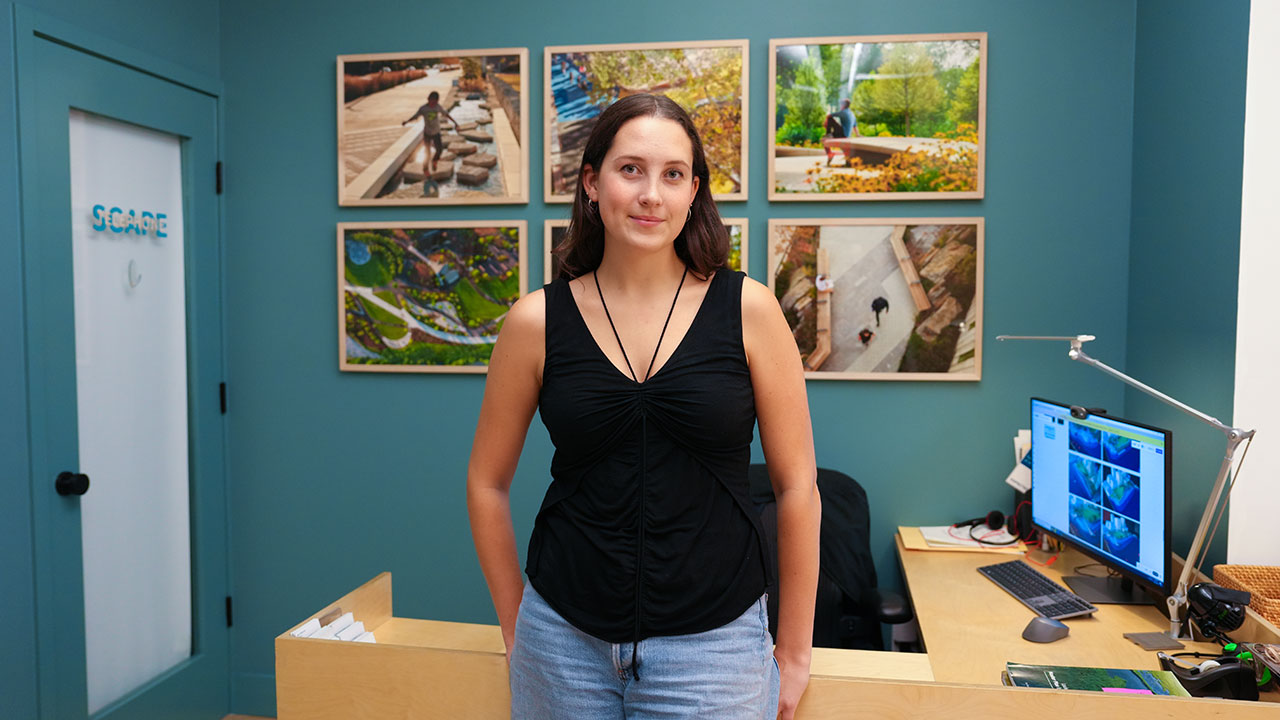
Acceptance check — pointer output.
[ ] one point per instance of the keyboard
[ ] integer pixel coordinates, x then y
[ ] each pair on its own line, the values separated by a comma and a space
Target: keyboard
1044, 596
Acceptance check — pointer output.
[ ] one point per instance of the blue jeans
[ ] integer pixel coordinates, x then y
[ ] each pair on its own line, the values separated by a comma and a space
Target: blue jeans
558, 671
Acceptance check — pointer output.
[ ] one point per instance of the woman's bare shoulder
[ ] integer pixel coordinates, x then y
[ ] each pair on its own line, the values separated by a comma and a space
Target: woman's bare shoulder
757, 300
529, 312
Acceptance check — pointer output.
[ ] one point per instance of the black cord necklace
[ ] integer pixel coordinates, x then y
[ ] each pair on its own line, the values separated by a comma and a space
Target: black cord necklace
596, 276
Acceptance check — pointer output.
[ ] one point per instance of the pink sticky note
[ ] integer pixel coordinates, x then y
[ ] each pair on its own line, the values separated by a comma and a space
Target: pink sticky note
1131, 691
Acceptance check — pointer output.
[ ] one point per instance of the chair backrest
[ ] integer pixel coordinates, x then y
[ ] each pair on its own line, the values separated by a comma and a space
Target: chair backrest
846, 534
845, 545
847, 574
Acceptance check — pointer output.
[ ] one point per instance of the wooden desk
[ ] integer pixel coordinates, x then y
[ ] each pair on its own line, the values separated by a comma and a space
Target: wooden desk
432, 669
427, 669
971, 627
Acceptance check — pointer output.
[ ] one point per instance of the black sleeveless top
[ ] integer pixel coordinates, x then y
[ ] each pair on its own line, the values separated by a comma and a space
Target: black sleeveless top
647, 528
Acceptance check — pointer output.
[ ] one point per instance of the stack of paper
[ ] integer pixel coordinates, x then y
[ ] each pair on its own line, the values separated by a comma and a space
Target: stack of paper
945, 537
1020, 477
949, 536
346, 627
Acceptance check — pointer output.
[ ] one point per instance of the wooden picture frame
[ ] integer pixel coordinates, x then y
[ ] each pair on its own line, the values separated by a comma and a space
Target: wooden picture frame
836, 277
891, 81
575, 78
553, 230
410, 307
552, 233
384, 162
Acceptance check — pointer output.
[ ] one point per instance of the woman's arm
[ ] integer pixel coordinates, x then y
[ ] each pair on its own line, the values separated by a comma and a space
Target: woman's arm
510, 398
782, 408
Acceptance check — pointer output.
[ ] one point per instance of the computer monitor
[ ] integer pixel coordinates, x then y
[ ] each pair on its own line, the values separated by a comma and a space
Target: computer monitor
1102, 485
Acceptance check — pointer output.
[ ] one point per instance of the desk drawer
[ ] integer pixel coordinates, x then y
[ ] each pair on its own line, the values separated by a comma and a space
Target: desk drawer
416, 669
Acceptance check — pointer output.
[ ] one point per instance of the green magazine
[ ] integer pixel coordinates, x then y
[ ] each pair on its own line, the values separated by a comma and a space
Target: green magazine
1154, 682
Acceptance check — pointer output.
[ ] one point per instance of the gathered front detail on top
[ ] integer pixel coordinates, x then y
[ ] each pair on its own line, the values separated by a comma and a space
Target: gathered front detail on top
647, 528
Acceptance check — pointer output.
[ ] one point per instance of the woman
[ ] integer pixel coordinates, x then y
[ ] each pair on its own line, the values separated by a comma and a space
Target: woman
649, 363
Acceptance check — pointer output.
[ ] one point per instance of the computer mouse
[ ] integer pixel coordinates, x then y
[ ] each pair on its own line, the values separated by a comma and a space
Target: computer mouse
1044, 630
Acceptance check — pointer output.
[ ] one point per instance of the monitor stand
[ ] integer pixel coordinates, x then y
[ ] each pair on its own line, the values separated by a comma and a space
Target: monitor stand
1107, 590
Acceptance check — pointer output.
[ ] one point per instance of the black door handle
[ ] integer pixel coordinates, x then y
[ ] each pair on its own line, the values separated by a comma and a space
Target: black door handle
69, 483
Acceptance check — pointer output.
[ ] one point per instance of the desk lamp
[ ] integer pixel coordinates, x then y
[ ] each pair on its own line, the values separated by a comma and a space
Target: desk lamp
1178, 601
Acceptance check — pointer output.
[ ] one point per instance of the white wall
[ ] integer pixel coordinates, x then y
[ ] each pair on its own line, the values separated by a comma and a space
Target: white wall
1254, 533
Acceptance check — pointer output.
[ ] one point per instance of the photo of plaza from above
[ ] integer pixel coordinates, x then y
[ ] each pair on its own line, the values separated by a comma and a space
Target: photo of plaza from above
880, 301
431, 130
853, 120
422, 298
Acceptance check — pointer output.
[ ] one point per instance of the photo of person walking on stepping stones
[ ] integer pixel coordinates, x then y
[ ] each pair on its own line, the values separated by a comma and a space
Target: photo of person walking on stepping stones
433, 128
430, 114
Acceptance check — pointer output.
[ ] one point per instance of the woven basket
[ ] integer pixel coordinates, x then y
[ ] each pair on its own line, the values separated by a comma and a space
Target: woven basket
1260, 580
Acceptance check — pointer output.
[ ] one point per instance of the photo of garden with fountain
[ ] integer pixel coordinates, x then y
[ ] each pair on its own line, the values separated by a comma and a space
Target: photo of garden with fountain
860, 118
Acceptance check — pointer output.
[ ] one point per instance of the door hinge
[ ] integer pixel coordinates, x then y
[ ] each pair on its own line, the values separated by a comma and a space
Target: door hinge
222, 397
228, 611
217, 172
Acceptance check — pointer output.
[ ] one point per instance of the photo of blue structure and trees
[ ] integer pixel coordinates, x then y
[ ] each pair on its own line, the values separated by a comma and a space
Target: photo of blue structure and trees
706, 79
1084, 478
1086, 521
1103, 486
1120, 537
1119, 450
426, 297
1121, 491
1085, 439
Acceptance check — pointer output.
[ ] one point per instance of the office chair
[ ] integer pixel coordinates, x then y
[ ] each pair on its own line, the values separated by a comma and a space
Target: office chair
849, 609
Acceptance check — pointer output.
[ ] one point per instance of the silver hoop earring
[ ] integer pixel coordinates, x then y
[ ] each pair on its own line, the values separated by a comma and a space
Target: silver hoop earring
593, 207
690, 219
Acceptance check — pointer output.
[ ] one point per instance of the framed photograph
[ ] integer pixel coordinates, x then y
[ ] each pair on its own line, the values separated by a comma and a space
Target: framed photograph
426, 296
553, 233
708, 79
882, 299
447, 127
878, 117
738, 247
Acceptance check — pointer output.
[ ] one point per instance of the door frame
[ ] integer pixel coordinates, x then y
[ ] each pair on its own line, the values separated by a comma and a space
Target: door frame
30, 28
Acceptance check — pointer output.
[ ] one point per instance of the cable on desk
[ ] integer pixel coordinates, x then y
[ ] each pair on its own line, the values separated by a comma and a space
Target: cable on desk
1057, 550
1109, 574
984, 541
1031, 533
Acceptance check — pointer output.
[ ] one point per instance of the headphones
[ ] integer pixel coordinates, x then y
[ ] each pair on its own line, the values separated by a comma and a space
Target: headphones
993, 520
1236, 675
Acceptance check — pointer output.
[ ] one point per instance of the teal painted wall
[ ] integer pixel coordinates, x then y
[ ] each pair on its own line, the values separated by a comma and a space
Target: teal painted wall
1184, 253
336, 477
17, 601
186, 34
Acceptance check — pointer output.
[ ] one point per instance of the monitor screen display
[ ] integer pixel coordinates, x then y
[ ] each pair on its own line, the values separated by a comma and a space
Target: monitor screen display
1102, 484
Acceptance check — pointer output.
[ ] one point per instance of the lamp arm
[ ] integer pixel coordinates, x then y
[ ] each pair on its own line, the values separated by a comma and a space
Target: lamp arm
1178, 600
1078, 354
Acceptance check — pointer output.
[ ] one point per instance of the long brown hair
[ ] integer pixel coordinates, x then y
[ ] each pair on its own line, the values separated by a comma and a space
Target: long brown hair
703, 244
